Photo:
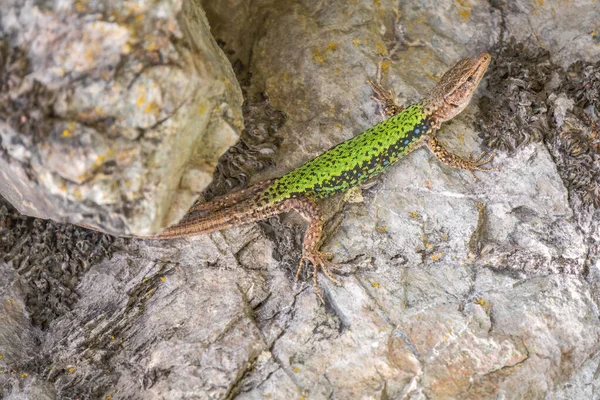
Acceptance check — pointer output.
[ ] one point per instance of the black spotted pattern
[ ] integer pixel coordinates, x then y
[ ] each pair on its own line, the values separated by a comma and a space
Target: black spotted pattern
354, 160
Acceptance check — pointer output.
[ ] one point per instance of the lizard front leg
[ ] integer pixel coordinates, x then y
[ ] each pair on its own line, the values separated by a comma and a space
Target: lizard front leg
455, 161
312, 238
386, 99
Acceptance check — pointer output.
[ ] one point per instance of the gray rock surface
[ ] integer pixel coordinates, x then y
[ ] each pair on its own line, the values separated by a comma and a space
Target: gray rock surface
113, 115
454, 288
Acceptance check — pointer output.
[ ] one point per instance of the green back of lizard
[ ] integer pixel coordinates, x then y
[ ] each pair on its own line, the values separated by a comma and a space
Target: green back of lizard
353, 161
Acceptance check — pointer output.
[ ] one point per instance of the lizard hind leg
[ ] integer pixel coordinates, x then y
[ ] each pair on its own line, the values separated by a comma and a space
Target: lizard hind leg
310, 248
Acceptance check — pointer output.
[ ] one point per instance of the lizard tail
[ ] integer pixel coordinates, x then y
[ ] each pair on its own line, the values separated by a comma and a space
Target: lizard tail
241, 213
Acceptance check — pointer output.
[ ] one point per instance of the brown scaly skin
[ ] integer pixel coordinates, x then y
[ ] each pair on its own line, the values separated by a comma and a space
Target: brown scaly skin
361, 157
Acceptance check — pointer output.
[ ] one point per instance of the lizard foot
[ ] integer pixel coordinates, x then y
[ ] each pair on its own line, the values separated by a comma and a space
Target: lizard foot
477, 164
318, 260
454, 161
385, 98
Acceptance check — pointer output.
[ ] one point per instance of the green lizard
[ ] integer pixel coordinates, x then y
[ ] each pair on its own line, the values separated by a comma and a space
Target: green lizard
346, 165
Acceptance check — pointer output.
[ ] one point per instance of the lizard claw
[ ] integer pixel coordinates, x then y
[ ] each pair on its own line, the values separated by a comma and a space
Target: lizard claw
381, 93
318, 260
472, 164
483, 158
385, 98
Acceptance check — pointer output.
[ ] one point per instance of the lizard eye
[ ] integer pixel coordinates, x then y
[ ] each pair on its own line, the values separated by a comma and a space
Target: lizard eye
469, 79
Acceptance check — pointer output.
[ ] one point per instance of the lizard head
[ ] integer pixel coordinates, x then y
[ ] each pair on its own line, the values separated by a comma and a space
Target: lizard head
454, 91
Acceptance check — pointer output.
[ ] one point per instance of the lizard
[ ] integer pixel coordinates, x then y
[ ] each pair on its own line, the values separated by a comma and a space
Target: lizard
347, 165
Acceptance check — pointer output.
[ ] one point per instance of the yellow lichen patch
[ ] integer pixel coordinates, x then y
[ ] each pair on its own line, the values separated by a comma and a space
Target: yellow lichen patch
381, 49
437, 256
464, 9
66, 133
152, 107
413, 214
318, 57
101, 158
163, 279
126, 48
72, 370
89, 55
464, 13
356, 42
385, 65
202, 110
375, 284
398, 13
296, 369
77, 194
1, 356
142, 99
444, 236
108, 397
81, 6
480, 301
24, 375
461, 137
382, 228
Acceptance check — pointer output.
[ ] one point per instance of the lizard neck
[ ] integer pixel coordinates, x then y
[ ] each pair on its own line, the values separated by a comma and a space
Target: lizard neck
435, 111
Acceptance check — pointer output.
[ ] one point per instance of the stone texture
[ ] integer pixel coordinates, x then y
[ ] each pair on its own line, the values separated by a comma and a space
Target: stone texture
569, 30
453, 287
113, 115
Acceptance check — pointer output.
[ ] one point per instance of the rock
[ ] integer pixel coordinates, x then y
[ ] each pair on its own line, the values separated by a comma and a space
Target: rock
112, 116
566, 30
453, 287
